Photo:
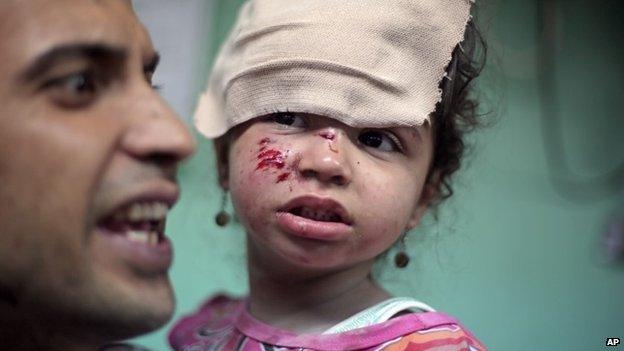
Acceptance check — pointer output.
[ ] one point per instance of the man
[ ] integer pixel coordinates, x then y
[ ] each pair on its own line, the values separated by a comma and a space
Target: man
88, 154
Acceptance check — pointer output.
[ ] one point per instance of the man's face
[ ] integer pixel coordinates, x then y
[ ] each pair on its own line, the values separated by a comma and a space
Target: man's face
88, 152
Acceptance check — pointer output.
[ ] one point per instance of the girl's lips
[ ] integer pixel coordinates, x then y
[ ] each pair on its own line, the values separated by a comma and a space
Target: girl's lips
311, 229
318, 203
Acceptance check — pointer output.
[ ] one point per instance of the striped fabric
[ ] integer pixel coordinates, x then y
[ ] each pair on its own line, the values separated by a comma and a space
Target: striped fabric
223, 324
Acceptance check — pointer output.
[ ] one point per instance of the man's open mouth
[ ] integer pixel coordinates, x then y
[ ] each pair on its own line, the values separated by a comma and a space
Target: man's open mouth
140, 222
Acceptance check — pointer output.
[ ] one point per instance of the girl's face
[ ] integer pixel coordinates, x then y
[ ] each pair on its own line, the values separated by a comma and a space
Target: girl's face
317, 195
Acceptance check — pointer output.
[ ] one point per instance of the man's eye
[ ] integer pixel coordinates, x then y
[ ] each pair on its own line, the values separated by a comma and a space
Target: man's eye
289, 119
381, 140
74, 90
149, 78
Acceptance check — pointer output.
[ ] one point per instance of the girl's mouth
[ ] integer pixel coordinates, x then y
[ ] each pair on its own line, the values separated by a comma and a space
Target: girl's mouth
316, 214
324, 209
315, 217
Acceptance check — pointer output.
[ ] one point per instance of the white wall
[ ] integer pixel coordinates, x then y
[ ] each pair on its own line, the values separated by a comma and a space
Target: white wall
180, 30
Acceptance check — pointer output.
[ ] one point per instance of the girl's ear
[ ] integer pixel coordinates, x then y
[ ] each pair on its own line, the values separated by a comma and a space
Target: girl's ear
427, 197
222, 148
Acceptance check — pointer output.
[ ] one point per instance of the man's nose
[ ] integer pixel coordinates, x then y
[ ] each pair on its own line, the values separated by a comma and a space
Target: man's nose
156, 133
325, 158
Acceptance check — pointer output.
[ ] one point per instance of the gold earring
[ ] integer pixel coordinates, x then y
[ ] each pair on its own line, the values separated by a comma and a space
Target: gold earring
223, 218
401, 258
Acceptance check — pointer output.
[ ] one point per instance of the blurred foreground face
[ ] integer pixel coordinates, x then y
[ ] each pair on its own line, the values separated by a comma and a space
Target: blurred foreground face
88, 154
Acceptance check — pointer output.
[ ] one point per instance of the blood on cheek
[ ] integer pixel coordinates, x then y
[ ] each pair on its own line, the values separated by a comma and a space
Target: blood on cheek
272, 159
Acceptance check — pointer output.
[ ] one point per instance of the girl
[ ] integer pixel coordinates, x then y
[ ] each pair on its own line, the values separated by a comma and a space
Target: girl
338, 124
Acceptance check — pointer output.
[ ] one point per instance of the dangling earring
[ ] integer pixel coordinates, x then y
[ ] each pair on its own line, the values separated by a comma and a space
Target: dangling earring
401, 259
223, 218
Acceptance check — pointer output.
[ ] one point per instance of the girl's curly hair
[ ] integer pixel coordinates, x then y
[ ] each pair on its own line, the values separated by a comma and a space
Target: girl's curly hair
456, 114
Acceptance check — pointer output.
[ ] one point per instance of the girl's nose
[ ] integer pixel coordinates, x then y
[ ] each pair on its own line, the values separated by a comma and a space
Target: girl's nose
324, 157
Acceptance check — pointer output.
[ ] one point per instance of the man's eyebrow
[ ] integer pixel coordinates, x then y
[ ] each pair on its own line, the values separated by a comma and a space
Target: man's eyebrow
152, 63
94, 52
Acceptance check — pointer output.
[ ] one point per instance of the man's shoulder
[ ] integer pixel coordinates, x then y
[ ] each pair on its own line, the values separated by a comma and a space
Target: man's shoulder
122, 346
220, 305
215, 316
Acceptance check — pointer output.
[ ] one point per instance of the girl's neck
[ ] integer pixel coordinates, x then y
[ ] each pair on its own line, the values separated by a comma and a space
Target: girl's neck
311, 304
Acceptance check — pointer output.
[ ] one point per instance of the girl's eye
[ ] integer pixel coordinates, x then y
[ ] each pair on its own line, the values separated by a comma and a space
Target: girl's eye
289, 119
74, 90
381, 140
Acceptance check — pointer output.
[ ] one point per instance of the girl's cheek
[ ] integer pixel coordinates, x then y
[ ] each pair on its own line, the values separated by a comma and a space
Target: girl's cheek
270, 162
257, 166
398, 197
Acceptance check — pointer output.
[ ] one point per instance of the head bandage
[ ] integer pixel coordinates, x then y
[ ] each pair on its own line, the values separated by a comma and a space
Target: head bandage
366, 63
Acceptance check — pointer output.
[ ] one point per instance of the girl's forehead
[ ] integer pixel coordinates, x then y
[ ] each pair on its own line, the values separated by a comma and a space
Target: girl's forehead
366, 63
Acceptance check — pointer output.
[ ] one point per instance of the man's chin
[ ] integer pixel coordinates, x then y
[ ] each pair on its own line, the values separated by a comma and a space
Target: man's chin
137, 327
133, 299
139, 319
152, 310
127, 310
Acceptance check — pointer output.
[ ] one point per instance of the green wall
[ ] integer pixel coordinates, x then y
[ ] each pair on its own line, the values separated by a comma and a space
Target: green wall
516, 260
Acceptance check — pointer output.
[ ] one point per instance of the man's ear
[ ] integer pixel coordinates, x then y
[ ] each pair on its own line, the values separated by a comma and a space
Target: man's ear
222, 150
428, 195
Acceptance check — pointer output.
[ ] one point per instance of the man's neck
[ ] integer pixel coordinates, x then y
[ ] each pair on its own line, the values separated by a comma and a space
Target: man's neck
310, 304
27, 330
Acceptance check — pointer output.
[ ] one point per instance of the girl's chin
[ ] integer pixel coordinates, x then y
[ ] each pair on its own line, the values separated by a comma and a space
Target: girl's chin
292, 257
283, 253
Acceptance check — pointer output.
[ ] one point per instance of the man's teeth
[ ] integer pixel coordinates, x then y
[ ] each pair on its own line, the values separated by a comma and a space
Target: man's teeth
147, 211
143, 237
319, 215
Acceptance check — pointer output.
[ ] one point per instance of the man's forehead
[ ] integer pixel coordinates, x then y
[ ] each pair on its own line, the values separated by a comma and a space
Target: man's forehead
23, 9
30, 27
13, 5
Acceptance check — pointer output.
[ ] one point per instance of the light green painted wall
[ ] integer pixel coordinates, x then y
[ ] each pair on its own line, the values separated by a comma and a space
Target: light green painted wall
510, 257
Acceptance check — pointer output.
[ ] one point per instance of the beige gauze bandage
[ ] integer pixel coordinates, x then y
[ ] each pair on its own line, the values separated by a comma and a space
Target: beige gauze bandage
366, 63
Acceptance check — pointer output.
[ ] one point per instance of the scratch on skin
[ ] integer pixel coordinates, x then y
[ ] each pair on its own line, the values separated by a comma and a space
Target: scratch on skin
327, 135
282, 177
271, 158
330, 136
263, 143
